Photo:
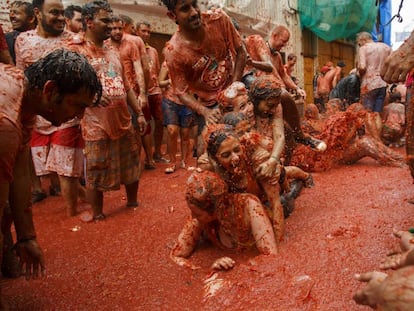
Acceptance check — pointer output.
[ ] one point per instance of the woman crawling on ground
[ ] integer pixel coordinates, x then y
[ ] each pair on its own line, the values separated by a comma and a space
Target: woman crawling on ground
234, 221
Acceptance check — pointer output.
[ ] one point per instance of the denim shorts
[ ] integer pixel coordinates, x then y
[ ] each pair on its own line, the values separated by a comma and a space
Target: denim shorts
175, 114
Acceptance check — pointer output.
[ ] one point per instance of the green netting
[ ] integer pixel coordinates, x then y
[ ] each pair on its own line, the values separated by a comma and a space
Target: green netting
337, 19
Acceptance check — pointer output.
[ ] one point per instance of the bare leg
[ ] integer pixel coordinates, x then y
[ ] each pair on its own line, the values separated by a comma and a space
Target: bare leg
95, 197
158, 133
69, 186
369, 147
172, 135
292, 118
147, 144
185, 145
132, 194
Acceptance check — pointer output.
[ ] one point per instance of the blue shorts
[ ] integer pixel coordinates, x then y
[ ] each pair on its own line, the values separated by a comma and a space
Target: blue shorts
175, 114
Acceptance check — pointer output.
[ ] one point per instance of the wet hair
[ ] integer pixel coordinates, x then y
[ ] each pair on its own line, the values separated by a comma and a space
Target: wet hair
117, 18
264, 87
204, 190
143, 23
28, 8
170, 4
233, 118
126, 19
70, 71
38, 4
90, 9
216, 135
71, 9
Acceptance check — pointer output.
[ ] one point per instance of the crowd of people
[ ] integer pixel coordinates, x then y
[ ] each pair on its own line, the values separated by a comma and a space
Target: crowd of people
83, 93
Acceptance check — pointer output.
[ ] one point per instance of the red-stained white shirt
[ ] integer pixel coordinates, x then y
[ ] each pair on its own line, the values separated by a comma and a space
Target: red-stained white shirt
11, 85
29, 48
372, 56
112, 121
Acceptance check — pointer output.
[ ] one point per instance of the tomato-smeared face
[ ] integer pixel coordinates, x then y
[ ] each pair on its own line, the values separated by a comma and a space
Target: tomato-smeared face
229, 156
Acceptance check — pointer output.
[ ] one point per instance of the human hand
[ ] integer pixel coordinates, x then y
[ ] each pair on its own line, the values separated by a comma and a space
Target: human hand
399, 63
31, 258
143, 100
370, 294
223, 263
406, 239
398, 258
142, 124
212, 116
269, 168
301, 92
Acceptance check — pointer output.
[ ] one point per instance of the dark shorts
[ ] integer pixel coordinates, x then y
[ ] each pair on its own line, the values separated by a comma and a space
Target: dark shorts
110, 163
175, 114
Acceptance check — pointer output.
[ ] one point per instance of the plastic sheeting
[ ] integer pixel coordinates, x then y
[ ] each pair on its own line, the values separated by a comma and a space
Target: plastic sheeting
337, 19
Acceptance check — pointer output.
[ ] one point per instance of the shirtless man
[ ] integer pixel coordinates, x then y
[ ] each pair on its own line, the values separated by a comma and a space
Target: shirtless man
54, 88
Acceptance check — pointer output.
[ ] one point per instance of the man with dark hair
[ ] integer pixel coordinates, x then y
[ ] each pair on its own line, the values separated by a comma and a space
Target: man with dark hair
203, 57
22, 18
111, 147
59, 87
55, 150
153, 110
129, 25
73, 18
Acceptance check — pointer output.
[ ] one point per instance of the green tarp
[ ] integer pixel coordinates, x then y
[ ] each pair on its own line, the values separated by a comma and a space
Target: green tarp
337, 19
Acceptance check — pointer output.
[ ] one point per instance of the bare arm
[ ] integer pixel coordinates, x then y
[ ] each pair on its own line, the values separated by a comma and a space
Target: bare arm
186, 243
5, 57
240, 63
261, 227
163, 79
143, 97
399, 63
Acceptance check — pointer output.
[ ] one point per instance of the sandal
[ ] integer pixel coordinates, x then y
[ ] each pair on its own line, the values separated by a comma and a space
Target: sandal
170, 170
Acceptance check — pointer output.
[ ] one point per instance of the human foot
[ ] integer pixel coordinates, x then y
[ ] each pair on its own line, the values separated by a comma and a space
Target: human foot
170, 169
